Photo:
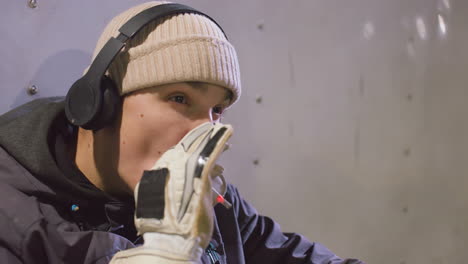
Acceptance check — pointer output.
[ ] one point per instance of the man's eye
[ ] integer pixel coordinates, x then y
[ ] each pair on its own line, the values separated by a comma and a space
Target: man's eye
218, 110
179, 99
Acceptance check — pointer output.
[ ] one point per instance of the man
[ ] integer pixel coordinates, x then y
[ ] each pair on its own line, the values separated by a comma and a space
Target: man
69, 194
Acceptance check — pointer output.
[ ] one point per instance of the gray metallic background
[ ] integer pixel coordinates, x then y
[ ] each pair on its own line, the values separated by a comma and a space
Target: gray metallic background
352, 128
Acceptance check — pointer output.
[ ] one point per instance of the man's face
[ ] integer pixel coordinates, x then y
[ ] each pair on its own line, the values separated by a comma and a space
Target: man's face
155, 119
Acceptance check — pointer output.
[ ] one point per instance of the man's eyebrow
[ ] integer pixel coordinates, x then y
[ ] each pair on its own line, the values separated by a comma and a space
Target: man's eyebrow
197, 85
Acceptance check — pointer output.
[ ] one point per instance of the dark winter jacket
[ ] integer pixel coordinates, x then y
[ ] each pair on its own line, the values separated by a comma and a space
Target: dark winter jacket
50, 212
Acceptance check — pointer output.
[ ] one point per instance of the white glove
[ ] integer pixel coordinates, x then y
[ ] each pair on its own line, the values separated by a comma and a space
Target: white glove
174, 200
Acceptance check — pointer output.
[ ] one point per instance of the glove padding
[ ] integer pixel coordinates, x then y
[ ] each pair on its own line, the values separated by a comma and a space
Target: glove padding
174, 200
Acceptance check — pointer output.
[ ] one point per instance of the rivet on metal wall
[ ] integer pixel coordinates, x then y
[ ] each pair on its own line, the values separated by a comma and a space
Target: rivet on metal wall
32, 3
32, 90
256, 161
261, 25
259, 99
409, 97
407, 152
405, 210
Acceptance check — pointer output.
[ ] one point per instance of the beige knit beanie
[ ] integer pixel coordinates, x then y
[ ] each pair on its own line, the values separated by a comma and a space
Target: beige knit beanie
180, 48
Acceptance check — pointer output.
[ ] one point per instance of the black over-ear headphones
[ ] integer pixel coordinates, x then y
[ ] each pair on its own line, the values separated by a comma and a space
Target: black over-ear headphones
93, 101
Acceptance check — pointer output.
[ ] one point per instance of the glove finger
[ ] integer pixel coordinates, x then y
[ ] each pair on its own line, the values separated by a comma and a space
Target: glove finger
202, 160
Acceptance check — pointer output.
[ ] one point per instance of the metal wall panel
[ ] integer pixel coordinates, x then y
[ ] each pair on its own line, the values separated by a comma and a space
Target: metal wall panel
352, 127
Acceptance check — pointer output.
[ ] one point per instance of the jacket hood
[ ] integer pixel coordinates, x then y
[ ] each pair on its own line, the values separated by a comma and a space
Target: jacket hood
27, 134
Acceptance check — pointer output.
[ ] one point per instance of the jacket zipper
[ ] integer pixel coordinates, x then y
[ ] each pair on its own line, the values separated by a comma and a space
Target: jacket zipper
211, 252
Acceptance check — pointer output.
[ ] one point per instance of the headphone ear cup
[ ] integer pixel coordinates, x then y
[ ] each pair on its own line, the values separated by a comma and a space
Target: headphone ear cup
83, 103
111, 104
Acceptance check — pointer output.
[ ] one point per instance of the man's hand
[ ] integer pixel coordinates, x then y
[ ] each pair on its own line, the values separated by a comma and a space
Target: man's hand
174, 200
